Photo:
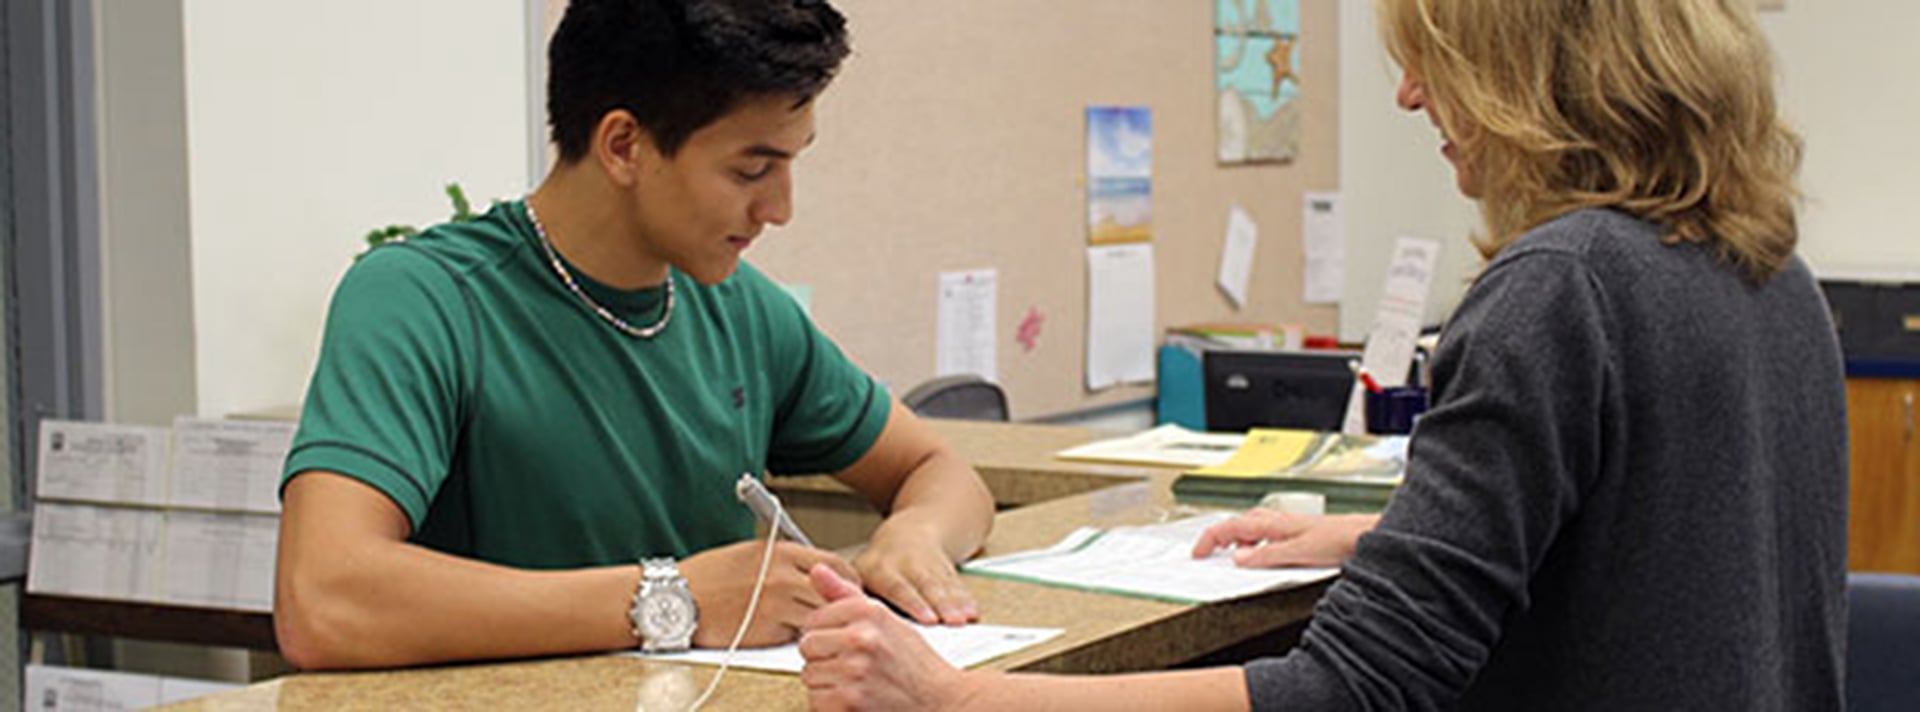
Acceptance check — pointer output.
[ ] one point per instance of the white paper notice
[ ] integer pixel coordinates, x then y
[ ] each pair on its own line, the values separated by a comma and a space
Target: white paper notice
229, 464
97, 462
1236, 257
93, 552
220, 560
1396, 322
1323, 232
962, 647
1120, 340
965, 337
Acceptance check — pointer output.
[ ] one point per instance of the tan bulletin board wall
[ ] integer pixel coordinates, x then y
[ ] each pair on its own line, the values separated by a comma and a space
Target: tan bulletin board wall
955, 139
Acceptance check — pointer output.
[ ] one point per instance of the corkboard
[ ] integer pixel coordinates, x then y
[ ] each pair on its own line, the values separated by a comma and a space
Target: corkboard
954, 139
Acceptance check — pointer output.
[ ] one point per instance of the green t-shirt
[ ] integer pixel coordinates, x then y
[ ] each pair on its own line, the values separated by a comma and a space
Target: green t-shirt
459, 376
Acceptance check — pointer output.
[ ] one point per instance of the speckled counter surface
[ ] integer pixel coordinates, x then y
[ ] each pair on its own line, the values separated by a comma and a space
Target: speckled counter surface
1103, 634
1014, 459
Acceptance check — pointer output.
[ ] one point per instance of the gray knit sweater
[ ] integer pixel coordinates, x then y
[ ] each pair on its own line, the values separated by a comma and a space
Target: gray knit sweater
1630, 494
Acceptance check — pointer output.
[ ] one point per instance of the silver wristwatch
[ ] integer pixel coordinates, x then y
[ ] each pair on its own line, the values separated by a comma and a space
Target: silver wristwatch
663, 613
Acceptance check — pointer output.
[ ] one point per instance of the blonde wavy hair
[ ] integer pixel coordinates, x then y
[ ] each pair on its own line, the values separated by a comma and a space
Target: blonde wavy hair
1660, 108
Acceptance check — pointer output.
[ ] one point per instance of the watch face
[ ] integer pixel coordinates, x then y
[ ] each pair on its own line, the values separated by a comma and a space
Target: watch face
665, 616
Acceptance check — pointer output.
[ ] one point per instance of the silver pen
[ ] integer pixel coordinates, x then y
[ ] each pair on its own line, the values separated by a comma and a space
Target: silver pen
767, 507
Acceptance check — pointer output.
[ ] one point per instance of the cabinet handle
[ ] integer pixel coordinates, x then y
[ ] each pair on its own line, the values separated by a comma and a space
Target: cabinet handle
1908, 399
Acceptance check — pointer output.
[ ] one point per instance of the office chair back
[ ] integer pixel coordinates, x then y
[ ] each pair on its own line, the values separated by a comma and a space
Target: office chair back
961, 397
1883, 642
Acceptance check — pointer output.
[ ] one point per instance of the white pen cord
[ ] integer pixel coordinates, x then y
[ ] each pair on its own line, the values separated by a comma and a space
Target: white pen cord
759, 583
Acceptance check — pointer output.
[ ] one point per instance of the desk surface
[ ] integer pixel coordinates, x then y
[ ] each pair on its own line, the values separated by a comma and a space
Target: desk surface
1103, 634
1015, 460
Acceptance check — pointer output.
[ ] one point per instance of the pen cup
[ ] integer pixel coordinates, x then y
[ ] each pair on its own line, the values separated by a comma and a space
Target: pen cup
1391, 411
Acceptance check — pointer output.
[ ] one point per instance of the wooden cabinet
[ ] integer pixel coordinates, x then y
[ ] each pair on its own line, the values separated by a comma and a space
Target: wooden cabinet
1883, 526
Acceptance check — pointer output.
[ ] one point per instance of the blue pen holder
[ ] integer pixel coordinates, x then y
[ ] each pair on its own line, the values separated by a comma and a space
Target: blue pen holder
1393, 410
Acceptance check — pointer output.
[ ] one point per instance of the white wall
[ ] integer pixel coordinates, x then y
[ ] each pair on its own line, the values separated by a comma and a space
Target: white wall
145, 247
309, 123
1393, 181
1839, 86
299, 144
1844, 86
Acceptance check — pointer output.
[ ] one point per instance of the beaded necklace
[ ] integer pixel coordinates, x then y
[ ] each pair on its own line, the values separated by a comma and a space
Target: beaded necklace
553, 257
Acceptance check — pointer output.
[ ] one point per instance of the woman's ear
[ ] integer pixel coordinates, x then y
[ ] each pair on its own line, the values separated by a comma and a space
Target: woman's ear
623, 147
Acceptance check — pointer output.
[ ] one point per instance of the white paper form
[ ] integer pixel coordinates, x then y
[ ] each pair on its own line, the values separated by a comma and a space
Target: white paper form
1396, 323
962, 647
1236, 257
76, 690
50, 687
99, 462
965, 333
94, 552
229, 464
219, 560
1323, 232
1153, 561
1120, 314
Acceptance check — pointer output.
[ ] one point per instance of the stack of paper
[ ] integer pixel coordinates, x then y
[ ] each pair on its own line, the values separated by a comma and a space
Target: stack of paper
1148, 561
185, 516
62, 688
1356, 473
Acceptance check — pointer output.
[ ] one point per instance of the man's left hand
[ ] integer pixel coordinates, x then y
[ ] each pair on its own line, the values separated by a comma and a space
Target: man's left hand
906, 565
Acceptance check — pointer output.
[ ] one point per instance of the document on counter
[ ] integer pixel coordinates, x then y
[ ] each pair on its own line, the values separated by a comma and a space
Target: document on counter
1153, 561
219, 560
93, 552
1168, 444
98, 462
229, 464
962, 647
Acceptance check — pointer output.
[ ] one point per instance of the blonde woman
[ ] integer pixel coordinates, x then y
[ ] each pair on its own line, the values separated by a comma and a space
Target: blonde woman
1631, 490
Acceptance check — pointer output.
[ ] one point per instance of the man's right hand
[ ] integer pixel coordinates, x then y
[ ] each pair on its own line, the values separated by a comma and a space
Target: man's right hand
721, 580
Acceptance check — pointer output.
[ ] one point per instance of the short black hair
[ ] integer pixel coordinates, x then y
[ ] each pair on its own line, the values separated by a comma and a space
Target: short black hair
678, 65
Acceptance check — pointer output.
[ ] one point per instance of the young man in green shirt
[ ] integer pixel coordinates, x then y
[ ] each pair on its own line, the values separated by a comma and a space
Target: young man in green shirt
509, 414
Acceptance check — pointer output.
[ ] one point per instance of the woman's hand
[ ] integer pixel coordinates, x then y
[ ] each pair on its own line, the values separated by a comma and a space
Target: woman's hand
861, 656
1269, 539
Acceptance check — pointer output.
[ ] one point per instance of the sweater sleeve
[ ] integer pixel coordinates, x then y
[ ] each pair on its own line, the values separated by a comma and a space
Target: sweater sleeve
1495, 469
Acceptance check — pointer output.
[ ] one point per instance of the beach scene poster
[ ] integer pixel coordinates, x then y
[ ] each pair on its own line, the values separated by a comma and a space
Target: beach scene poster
1257, 53
1119, 174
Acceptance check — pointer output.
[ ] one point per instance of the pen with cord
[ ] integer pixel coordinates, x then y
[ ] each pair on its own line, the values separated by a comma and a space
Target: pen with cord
767, 507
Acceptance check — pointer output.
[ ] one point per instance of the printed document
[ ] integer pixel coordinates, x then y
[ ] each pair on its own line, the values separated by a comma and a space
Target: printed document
229, 464
1154, 561
100, 462
964, 338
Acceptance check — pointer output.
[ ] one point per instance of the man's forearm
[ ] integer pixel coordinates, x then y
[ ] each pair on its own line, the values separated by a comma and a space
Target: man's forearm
402, 604
350, 592
944, 496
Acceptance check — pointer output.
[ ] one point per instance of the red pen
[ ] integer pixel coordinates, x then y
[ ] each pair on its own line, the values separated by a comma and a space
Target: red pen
1367, 378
